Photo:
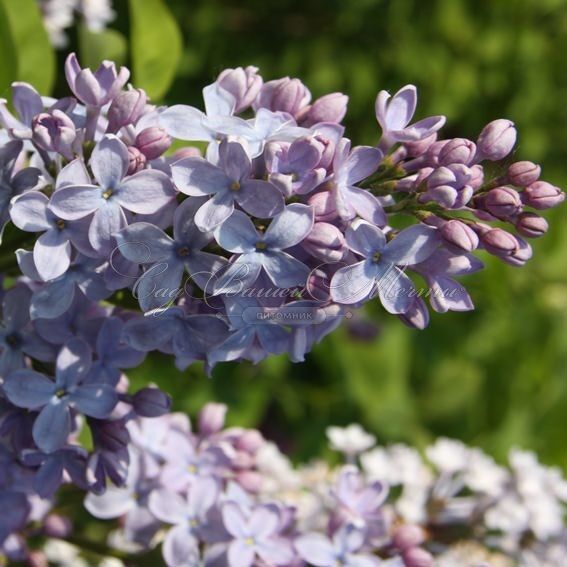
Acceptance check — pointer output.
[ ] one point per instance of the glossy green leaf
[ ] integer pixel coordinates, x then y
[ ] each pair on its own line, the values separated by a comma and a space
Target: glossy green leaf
156, 46
33, 54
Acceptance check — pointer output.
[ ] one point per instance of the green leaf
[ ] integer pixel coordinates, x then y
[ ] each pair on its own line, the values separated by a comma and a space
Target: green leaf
7, 59
34, 56
156, 46
94, 47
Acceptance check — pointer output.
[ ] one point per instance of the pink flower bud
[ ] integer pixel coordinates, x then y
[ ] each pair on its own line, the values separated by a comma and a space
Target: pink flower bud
153, 142
189, 151
477, 176
37, 558
420, 147
151, 402
458, 150
286, 95
458, 237
417, 557
57, 526
211, 418
326, 242
54, 132
250, 441
499, 242
250, 480
531, 225
328, 108
542, 195
243, 84
408, 536
523, 173
503, 202
417, 317
323, 206
126, 109
137, 160
497, 139
521, 255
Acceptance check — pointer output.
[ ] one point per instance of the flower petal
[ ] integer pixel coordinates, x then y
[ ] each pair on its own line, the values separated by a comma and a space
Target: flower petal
355, 283
52, 426
28, 389
237, 234
52, 254
412, 245
260, 198
109, 162
289, 227
76, 201
145, 192
197, 177
29, 212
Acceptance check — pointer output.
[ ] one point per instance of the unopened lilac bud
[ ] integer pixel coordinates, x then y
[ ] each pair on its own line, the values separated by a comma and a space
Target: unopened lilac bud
499, 242
211, 418
250, 441
503, 202
286, 95
318, 286
417, 557
151, 402
497, 139
523, 173
328, 108
417, 316
326, 242
153, 142
189, 151
110, 435
432, 155
323, 206
477, 176
137, 160
531, 225
458, 150
243, 84
408, 536
420, 147
54, 132
458, 237
57, 526
126, 109
542, 195
250, 480
37, 558
521, 255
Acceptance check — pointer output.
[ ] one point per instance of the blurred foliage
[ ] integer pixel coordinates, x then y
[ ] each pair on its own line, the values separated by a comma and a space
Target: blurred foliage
496, 377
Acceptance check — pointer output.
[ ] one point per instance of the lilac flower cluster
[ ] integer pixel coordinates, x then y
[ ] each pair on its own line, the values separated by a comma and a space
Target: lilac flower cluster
220, 496
256, 241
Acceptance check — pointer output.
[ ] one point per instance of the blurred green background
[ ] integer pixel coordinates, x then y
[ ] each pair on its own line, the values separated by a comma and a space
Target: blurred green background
495, 377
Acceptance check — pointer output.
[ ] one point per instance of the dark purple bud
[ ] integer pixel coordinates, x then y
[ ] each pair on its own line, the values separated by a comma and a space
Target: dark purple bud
57, 526
326, 242
458, 237
417, 557
153, 142
151, 402
523, 173
499, 242
408, 536
54, 132
243, 84
542, 195
503, 202
286, 95
328, 108
126, 109
137, 160
110, 435
458, 150
211, 418
496, 140
531, 225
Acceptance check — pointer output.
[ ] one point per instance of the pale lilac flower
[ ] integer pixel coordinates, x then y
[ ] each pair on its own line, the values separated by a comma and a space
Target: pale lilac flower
243, 84
28, 103
350, 440
264, 251
230, 182
379, 270
255, 534
141, 193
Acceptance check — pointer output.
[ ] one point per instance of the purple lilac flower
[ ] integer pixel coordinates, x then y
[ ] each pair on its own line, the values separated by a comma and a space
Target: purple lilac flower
264, 251
379, 270
168, 258
55, 399
141, 193
18, 338
230, 182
